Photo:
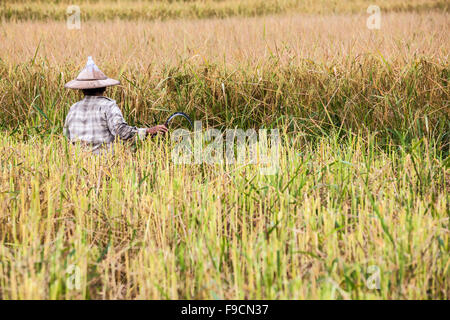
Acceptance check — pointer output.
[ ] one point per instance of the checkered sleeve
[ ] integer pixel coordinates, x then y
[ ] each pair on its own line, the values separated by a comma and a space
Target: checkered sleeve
118, 126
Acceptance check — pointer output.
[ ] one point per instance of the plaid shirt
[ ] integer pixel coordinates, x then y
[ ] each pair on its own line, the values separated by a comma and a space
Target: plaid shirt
97, 121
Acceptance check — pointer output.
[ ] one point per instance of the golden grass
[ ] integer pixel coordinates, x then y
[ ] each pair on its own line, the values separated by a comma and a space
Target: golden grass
331, 39
138, 226
287, 67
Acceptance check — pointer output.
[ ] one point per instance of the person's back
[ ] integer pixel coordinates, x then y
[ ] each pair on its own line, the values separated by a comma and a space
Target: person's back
96, 121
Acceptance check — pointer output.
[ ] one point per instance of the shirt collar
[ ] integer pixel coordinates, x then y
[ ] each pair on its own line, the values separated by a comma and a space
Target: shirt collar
93, 97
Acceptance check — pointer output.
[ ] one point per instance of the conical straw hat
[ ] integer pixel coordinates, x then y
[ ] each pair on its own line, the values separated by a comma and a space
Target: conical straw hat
91, 77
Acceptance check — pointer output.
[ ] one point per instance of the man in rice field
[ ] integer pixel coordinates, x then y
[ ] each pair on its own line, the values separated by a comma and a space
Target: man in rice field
96, 121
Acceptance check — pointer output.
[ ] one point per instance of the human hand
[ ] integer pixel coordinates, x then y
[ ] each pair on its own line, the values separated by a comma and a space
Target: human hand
157, 129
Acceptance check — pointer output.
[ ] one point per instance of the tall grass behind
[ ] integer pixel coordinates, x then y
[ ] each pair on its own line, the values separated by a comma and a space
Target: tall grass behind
368, 96
308, 74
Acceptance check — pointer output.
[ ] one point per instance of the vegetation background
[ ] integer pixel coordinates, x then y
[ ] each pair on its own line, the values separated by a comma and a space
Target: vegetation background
364, 163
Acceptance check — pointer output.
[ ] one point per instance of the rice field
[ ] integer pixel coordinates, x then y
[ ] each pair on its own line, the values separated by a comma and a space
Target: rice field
105, 10
358, 209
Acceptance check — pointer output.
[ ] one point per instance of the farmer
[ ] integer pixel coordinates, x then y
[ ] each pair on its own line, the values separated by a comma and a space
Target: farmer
96, 121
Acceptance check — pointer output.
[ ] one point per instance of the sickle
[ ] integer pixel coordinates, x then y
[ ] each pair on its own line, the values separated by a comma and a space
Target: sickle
178, 114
